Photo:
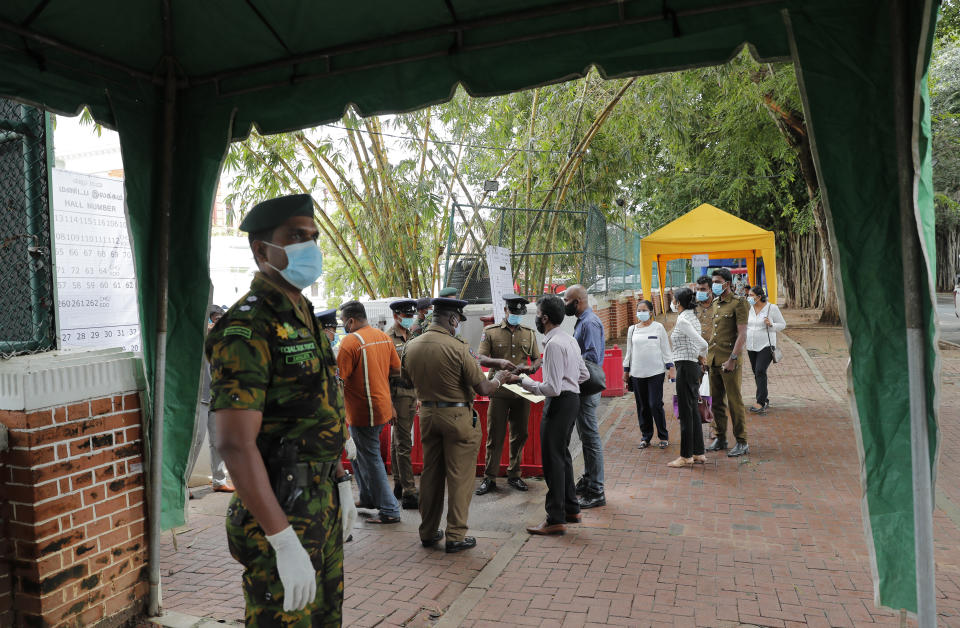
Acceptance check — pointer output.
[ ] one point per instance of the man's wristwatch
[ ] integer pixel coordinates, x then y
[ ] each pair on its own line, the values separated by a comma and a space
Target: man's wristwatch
734, 356
346, 477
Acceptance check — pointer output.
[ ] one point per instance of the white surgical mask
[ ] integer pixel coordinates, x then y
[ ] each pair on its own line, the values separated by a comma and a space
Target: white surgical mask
673, 306
643, 316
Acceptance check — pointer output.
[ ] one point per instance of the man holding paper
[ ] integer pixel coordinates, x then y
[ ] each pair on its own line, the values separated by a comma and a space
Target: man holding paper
563, 371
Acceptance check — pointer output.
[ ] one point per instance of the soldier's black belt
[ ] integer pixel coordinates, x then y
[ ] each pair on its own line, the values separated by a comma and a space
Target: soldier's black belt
445, 404
302, 474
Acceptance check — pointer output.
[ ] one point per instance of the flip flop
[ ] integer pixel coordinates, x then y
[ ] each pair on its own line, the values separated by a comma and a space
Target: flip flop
663, 444
383, 519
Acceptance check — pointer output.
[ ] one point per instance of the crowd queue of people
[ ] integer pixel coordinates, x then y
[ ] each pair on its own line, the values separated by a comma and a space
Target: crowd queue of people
283, 407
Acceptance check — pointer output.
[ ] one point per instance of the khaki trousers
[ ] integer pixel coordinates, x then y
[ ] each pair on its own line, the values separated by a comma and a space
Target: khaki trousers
504, 409
451, 440
401, 443
725, 391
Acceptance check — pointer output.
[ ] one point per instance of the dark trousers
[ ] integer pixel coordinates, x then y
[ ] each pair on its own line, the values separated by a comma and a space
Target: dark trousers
556, 427
759, 362
648, 392
689, 375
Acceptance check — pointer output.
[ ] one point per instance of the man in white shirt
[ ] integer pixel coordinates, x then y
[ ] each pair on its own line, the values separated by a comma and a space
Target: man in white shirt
563, 371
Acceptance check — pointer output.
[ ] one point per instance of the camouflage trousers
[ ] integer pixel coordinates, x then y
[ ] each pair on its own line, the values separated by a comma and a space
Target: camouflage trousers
315, 516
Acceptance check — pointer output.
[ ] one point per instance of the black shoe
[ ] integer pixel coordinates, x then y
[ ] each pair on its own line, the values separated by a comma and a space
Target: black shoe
410, 502
592, 501
431, 542
717, 445
518, 484
459, 546
581, 485
397, 490
486, 486
739, 450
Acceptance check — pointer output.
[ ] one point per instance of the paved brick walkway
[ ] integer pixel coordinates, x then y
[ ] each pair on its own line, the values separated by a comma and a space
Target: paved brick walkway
773, 539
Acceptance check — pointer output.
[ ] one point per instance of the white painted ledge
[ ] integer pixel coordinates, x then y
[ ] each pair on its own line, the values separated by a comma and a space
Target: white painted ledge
56, 378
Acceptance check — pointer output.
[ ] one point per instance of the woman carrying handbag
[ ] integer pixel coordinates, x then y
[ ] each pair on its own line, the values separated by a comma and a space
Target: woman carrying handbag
648, 357
763, 323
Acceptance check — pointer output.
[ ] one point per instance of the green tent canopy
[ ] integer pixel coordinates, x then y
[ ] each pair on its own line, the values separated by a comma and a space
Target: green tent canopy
180, 79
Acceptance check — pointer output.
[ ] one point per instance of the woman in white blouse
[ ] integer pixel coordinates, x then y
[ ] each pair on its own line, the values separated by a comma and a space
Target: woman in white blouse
689, 353
763, 322
648, 357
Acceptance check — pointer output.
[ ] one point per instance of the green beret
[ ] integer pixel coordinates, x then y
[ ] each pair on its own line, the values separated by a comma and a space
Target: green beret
276, 211
448, 292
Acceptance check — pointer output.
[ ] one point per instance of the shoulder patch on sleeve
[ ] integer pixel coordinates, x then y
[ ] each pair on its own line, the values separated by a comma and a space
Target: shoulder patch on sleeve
236, 330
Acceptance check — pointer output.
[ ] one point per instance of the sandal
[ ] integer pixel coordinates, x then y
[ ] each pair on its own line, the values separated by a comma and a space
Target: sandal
384, 519
681, 462
663, 444
643, 444
701, 459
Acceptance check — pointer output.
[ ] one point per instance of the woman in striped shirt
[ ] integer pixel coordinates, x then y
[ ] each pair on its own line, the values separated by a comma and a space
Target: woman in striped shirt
689, 352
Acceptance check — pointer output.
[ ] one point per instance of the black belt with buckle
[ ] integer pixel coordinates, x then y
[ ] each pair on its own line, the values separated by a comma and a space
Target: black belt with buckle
444, 404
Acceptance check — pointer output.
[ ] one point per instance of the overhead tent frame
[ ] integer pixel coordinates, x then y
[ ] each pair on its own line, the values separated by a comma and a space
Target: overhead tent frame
179, 80
708, 230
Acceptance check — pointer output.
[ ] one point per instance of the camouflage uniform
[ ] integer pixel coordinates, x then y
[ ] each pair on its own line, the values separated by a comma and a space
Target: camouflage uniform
265, 354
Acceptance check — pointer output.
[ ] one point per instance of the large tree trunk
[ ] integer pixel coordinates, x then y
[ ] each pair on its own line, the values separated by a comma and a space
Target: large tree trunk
794, 129
948, 256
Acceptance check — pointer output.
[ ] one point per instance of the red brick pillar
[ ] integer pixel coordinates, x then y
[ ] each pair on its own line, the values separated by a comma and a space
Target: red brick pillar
75, 516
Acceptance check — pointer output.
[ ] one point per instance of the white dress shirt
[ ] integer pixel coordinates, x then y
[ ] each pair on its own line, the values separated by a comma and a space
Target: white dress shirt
757, 338
563, 366
648, 350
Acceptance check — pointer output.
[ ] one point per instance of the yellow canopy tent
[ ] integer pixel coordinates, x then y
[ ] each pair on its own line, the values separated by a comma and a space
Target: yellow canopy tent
708, 230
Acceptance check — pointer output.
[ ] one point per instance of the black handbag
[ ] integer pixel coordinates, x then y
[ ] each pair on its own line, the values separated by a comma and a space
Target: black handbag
597, 382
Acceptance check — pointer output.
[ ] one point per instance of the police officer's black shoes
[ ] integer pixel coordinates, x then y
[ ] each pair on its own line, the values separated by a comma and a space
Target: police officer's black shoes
717, 445
486, 486
397, 490
739, 450
518, 484
432, 541
410, 502
459, 546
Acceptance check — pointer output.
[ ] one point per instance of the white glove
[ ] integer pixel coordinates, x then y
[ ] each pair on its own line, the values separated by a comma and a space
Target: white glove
297, 574
351, 448
348, 509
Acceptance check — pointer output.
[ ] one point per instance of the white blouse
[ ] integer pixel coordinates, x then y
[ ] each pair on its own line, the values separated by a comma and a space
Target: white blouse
648, 350
757, 338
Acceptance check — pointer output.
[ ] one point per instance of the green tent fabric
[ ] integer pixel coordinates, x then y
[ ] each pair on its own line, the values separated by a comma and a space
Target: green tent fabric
281, 66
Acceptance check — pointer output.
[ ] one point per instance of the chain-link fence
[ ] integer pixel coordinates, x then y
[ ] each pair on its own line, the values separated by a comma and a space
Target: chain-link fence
551, 249
26, 296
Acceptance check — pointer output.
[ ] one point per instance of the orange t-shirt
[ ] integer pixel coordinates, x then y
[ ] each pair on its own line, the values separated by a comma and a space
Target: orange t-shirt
366, 383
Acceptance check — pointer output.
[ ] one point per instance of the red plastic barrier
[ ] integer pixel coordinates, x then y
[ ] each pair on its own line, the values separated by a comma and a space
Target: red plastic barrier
613, 370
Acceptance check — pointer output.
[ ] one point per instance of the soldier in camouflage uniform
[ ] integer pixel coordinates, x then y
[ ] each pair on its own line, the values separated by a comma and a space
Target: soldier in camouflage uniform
274, 389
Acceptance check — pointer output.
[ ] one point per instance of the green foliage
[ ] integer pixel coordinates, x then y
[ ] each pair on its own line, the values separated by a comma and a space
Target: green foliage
945, 126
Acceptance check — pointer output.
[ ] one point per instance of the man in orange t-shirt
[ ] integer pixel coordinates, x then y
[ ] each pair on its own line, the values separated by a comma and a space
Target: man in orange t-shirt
367, 359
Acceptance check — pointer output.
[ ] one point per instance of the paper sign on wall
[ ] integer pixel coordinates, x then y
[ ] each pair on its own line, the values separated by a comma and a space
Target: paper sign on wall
96, 283
501, 278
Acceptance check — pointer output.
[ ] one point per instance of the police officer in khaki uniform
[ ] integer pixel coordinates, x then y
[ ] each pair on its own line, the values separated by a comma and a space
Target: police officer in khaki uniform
405, 406
723, 358
446, 377
511, 341
705, 299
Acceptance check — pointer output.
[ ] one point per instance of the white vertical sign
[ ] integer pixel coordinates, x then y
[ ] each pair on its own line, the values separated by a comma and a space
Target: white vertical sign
96, 283
501, 278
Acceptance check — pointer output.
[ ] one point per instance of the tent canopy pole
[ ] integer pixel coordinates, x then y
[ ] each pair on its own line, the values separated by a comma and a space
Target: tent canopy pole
163, 270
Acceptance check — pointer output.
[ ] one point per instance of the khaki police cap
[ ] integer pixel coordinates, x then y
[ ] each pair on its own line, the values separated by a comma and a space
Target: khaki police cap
276, 211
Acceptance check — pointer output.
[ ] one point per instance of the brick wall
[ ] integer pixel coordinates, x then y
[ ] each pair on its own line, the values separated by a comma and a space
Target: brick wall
75, 514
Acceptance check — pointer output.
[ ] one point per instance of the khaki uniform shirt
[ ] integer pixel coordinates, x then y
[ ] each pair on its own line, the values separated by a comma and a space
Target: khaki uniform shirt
440, 367
499, 341
400, 386
729, 311
705, 316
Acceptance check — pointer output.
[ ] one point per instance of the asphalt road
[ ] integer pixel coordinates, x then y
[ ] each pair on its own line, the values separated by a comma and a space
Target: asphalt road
947, 319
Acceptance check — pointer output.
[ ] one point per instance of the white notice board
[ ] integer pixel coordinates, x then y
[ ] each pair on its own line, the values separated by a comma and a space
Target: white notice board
96, 283
501, 278
700, 261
